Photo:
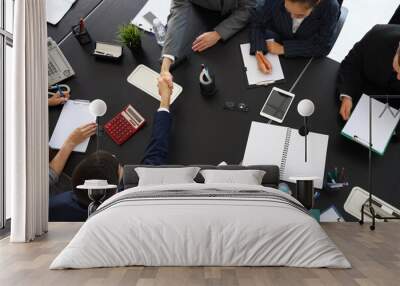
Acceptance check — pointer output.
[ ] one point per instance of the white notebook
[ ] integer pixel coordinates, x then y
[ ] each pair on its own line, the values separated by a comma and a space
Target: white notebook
145, 79
160, 9
284, 147
254, 75
56, 10
357, 127
74, 114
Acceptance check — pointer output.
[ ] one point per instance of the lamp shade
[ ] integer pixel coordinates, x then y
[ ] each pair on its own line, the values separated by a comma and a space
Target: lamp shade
305, 108
98, 107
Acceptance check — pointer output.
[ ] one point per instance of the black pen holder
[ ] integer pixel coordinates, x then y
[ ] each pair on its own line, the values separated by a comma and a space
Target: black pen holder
82, 36
208, 88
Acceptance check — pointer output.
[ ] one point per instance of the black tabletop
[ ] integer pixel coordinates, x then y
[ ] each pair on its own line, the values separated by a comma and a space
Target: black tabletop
203, 132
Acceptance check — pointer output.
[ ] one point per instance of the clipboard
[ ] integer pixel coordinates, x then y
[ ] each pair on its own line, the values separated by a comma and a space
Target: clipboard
145, 79
74, 114
256, 78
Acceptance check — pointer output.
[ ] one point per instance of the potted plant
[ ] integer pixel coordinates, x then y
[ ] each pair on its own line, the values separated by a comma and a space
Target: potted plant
130, 35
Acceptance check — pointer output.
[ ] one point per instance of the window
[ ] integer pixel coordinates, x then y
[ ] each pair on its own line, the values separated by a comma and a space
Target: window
6, 42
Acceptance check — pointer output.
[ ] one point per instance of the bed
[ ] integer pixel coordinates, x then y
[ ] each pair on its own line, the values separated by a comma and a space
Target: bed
201, 224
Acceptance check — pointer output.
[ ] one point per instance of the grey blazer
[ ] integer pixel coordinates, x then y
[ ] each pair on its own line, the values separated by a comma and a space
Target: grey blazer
240, 11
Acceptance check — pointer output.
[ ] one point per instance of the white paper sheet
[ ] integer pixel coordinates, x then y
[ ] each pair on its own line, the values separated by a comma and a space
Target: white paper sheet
56, 10
331, 214
74, 114
254, 75
362, 16
160, 9
145, 79
357, 127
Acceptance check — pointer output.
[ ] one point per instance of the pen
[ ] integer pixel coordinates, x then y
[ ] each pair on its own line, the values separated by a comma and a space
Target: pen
336, 174
267, 82
60, 90
332, 179
81, 25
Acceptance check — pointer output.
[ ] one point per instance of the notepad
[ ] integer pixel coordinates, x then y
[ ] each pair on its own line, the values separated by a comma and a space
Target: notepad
160, 9
331, 214
284, 147
74, 114
357, 127
145, 79
56, 10
254, 75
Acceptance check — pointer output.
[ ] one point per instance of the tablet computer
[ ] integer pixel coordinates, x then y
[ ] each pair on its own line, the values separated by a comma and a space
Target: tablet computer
277, 104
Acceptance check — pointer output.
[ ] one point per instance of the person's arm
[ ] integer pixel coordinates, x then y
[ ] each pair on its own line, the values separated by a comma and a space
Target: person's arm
237, 20
75, 138
260, 28
57, 99
157, 151
321, 43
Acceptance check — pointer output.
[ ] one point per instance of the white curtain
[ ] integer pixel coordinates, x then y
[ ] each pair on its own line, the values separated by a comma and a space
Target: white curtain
27, 124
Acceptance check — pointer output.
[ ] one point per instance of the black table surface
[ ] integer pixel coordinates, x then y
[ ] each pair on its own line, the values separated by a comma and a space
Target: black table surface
203, 132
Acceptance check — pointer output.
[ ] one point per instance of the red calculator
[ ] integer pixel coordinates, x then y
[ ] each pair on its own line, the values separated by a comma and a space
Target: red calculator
124, 125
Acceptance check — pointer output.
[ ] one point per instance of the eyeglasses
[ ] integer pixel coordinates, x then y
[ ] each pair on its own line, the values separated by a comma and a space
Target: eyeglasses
233, 106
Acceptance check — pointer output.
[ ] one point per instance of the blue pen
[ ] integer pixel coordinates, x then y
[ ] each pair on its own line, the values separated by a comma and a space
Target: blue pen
60, 90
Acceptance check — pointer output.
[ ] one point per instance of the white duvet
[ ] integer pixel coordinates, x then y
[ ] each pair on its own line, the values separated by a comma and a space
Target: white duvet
193, 231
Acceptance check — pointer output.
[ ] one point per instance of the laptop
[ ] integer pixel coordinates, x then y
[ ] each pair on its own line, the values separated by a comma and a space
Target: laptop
59, 68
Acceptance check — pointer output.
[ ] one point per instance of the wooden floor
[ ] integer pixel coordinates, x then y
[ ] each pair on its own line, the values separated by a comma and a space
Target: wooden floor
375, 257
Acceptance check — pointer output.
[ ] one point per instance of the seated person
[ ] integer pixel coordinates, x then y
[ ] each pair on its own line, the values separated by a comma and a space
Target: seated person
183, 28
294, 28
371, 67
72, 205
58, 181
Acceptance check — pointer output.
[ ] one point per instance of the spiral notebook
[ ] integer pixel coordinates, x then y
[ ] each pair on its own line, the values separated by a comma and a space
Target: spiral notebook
284, 147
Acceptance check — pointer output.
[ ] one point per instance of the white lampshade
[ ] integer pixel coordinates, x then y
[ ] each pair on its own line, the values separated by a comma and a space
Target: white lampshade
305, 108
98, 107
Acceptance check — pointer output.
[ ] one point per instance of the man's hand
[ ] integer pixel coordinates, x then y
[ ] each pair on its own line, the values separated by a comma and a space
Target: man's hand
57, 99
263, 64
165, 92
80, 134
345, 109
205, 41
275, 48
165, 74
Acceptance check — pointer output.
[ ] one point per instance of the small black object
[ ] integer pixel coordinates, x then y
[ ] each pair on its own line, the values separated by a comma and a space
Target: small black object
233, 106
207, 82
305, 193
81, 35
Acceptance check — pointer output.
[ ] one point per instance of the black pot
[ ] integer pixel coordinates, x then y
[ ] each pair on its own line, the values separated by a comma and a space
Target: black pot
136, 49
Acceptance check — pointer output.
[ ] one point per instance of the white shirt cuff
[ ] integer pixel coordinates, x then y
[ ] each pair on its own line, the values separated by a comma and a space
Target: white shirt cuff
163, 109
269, 40
172, 58
345, 95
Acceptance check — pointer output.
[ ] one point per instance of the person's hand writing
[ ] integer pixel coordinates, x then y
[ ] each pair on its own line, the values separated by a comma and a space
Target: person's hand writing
345, 108
275, 48
263, 64
80, 134
57, 99
205, 41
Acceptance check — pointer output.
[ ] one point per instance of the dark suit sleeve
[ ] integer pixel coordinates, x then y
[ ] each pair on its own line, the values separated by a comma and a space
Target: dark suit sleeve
260, 28
350, 79
321, 43
157, 151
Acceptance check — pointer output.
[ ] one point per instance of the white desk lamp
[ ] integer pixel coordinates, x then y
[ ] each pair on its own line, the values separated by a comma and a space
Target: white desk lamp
305, 108
98, 108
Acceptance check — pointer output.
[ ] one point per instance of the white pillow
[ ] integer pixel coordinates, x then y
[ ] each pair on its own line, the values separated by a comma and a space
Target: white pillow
166, 176
247, 177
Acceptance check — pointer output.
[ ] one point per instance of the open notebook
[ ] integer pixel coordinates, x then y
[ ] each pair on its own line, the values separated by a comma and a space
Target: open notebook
357, 128
284, 147
254, 75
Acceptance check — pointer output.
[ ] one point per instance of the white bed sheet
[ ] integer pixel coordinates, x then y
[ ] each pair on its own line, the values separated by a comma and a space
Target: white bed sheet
190, 232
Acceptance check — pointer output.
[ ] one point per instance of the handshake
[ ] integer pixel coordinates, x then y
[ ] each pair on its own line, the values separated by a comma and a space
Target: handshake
165, 87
